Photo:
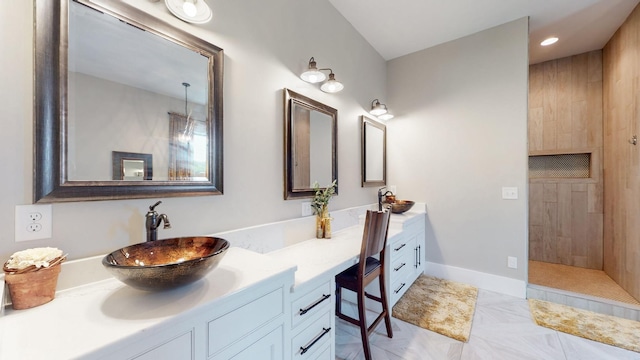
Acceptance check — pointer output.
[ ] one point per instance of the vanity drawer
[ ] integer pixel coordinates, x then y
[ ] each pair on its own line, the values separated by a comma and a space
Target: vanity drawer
236, 324
400, 248
317, 335
308, 305
402, 264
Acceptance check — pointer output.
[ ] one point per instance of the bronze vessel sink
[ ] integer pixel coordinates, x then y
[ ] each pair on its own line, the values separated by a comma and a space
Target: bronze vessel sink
165, 264
400, 206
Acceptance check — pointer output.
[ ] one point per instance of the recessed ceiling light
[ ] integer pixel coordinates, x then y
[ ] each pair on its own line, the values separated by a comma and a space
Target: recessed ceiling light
549, 41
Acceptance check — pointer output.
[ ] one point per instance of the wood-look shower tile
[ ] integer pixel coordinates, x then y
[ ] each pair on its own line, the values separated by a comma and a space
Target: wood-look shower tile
536, 204
536, 127
579, 76
579, 221
564, 211
550, 193
594, 114
549, 230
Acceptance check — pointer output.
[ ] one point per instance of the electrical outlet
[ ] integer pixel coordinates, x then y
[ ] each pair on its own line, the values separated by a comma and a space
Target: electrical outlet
34, 227
306, 208
35, 216
512, 262
33, 222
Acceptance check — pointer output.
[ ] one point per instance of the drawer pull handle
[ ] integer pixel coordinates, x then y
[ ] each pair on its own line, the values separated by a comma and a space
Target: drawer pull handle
400, 288
304, 349
306, 310
400, 247
399, 267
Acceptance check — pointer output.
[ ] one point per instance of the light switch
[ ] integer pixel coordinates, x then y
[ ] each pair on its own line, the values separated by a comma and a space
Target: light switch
510, 193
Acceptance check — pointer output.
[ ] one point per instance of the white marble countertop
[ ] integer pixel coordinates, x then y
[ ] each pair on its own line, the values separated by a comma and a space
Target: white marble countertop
326, 257
83, 319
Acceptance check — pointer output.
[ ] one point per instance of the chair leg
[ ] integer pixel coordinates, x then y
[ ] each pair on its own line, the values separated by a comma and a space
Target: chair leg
385, 306
364, 333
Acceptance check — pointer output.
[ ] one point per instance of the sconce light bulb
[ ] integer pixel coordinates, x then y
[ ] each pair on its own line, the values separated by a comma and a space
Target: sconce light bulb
332, 86
313, 76
189, 8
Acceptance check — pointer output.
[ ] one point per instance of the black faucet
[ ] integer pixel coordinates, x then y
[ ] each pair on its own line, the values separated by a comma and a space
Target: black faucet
153, 222
380, 195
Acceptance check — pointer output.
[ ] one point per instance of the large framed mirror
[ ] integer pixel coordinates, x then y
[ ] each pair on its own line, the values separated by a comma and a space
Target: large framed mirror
110, 77
373, 152
310, 133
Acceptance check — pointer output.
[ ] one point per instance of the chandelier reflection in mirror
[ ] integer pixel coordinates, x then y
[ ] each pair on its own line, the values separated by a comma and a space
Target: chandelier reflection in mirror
187, 133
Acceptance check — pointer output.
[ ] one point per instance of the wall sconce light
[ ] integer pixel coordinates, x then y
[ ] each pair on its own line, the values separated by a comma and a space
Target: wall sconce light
191, 11
380, 110
314, 75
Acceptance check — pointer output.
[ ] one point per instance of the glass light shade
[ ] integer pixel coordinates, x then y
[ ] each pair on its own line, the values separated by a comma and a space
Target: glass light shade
313, 76
332, 85
378, 109
385, 117
549, 41
191, 11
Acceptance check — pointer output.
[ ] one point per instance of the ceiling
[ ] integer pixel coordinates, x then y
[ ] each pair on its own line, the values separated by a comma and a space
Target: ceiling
399, 27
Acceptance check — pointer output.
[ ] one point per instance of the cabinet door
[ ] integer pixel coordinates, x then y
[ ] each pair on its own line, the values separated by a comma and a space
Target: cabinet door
178, 348
419, 254
269, 347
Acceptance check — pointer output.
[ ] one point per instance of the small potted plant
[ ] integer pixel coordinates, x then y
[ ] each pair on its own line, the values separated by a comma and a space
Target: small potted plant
319, 205
32, 276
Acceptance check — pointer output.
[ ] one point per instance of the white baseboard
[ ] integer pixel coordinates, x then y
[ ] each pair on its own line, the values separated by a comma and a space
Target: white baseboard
496, 283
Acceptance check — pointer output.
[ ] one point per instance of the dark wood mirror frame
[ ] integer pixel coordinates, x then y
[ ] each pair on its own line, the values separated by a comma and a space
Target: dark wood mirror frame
367, 180
50, 123
292, 98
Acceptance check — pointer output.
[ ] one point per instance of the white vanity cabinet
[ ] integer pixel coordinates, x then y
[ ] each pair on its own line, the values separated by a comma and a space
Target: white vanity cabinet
405, 257
248, 325
313, 320
240, 311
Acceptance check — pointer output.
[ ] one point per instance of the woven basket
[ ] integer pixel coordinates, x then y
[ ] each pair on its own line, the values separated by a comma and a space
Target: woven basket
32, 288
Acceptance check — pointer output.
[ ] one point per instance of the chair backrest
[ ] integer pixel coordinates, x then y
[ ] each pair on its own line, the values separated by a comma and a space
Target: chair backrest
374, 237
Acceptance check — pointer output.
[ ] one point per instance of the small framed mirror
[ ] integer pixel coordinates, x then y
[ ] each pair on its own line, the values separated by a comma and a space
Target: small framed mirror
374, 152
310, 145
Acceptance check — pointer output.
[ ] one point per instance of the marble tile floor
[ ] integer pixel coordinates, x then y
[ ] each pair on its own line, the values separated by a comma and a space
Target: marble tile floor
502, 330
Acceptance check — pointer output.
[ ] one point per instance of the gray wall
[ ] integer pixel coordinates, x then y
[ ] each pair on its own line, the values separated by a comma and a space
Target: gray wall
459, 136
267, 45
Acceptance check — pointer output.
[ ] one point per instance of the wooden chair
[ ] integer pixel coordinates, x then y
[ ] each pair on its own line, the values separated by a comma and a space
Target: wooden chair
358, 276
